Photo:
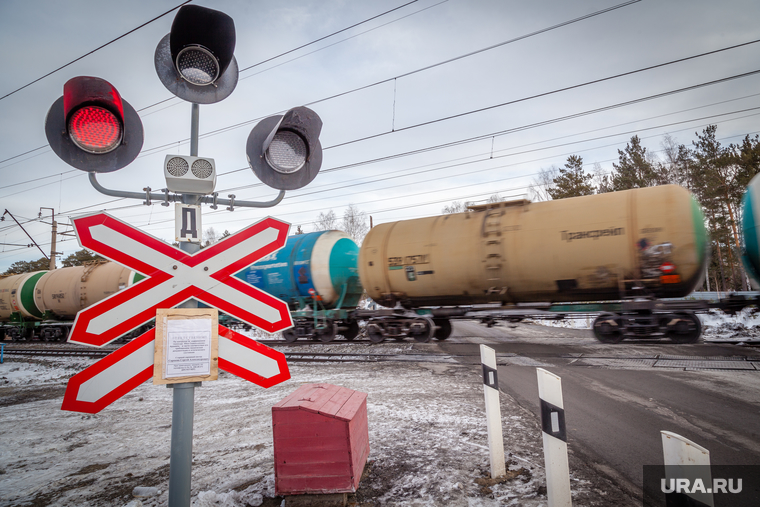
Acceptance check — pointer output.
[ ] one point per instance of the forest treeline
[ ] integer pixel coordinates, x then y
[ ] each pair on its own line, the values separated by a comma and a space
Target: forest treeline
716, 175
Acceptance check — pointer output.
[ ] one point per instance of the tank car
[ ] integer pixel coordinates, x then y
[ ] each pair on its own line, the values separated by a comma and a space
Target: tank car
750, 224
634, 245
316, 275
46, 302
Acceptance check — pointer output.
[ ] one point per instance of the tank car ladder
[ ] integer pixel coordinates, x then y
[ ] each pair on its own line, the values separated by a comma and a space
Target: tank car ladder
493, 249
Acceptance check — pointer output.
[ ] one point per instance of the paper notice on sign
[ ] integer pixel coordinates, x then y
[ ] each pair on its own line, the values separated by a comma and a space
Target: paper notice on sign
188, 348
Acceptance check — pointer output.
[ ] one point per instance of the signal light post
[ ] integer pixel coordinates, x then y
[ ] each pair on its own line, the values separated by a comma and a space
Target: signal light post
91, 127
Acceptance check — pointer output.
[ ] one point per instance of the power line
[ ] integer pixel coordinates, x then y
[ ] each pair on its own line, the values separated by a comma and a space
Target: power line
416, 71
249, 67
326, 36
559, 90
567, 88
511, 130
94, 50
341, 41
481, 170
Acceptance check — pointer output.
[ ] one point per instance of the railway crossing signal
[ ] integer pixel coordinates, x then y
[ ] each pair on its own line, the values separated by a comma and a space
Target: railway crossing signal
195, 60
96, 387
92, 128
175, 276
284, 152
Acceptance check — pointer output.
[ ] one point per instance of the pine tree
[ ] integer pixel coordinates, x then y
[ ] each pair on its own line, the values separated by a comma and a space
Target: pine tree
572, 180
634, 168
19, 267
80, 257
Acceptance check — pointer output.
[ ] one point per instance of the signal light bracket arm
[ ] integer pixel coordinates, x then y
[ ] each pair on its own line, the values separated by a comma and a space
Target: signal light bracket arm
165, 197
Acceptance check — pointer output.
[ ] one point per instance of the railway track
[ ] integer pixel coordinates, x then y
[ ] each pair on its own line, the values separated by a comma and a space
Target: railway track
311, 357
655, 361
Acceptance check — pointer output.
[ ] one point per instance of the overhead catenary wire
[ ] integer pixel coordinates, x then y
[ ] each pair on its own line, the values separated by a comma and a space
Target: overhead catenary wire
514, 129
245, 168
94, 50
426, 168
242, 70
376, 211
415, 71
406, 196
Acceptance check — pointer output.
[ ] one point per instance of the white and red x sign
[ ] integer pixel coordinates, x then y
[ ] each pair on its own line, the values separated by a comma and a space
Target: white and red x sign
174, 276
96, 387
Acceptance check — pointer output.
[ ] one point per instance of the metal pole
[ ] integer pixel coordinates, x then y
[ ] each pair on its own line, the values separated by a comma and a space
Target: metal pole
181, 461
183, 397
194, 124
51, 267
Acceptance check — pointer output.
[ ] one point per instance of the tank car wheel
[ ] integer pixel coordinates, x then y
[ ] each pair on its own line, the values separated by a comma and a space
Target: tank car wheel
290, 335
327, 334
443, 329
608, 328
375, 333
684, 328
352, 331
422, 330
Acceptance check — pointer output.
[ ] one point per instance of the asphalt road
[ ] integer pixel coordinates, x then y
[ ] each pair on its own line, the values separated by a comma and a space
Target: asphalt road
617, 401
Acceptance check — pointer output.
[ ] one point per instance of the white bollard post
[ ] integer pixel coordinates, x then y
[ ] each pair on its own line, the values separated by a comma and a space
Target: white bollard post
555, 439
493, 411
685, 482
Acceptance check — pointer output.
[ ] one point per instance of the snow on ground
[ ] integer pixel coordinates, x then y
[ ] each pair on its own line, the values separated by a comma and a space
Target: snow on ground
426, 422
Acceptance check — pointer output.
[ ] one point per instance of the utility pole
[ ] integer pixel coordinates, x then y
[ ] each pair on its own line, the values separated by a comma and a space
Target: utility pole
53, 253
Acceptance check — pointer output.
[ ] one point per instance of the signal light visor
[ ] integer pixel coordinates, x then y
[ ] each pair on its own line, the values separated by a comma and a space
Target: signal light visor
287, 152
95, 129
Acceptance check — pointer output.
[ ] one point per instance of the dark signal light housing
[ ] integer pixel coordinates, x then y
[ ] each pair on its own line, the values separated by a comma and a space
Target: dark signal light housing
195, 61
284, 152
92, 128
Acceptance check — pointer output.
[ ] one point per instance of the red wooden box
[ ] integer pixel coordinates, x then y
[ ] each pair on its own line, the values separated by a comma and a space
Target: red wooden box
321, 440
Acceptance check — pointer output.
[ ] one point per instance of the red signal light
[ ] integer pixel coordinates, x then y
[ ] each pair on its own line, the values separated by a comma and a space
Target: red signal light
94, 114
95, 129
92, 128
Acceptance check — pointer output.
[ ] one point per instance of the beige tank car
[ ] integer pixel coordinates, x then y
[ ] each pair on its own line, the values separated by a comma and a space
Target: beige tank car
649, 241
65, 291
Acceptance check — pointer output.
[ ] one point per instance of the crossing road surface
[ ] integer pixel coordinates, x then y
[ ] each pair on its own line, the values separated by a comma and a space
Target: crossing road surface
618, 397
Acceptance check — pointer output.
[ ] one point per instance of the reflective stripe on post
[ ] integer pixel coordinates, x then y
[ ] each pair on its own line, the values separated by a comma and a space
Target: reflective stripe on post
493, 411
555, 439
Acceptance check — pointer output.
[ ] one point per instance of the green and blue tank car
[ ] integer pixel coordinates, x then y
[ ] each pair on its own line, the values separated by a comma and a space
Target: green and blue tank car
316, 275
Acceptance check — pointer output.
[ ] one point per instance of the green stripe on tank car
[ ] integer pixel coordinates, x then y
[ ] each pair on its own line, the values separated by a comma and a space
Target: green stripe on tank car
751, 257
27, 294
700, 232
136, 277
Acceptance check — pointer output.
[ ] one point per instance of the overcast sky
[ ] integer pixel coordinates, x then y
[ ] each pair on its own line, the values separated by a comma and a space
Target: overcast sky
40, 36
